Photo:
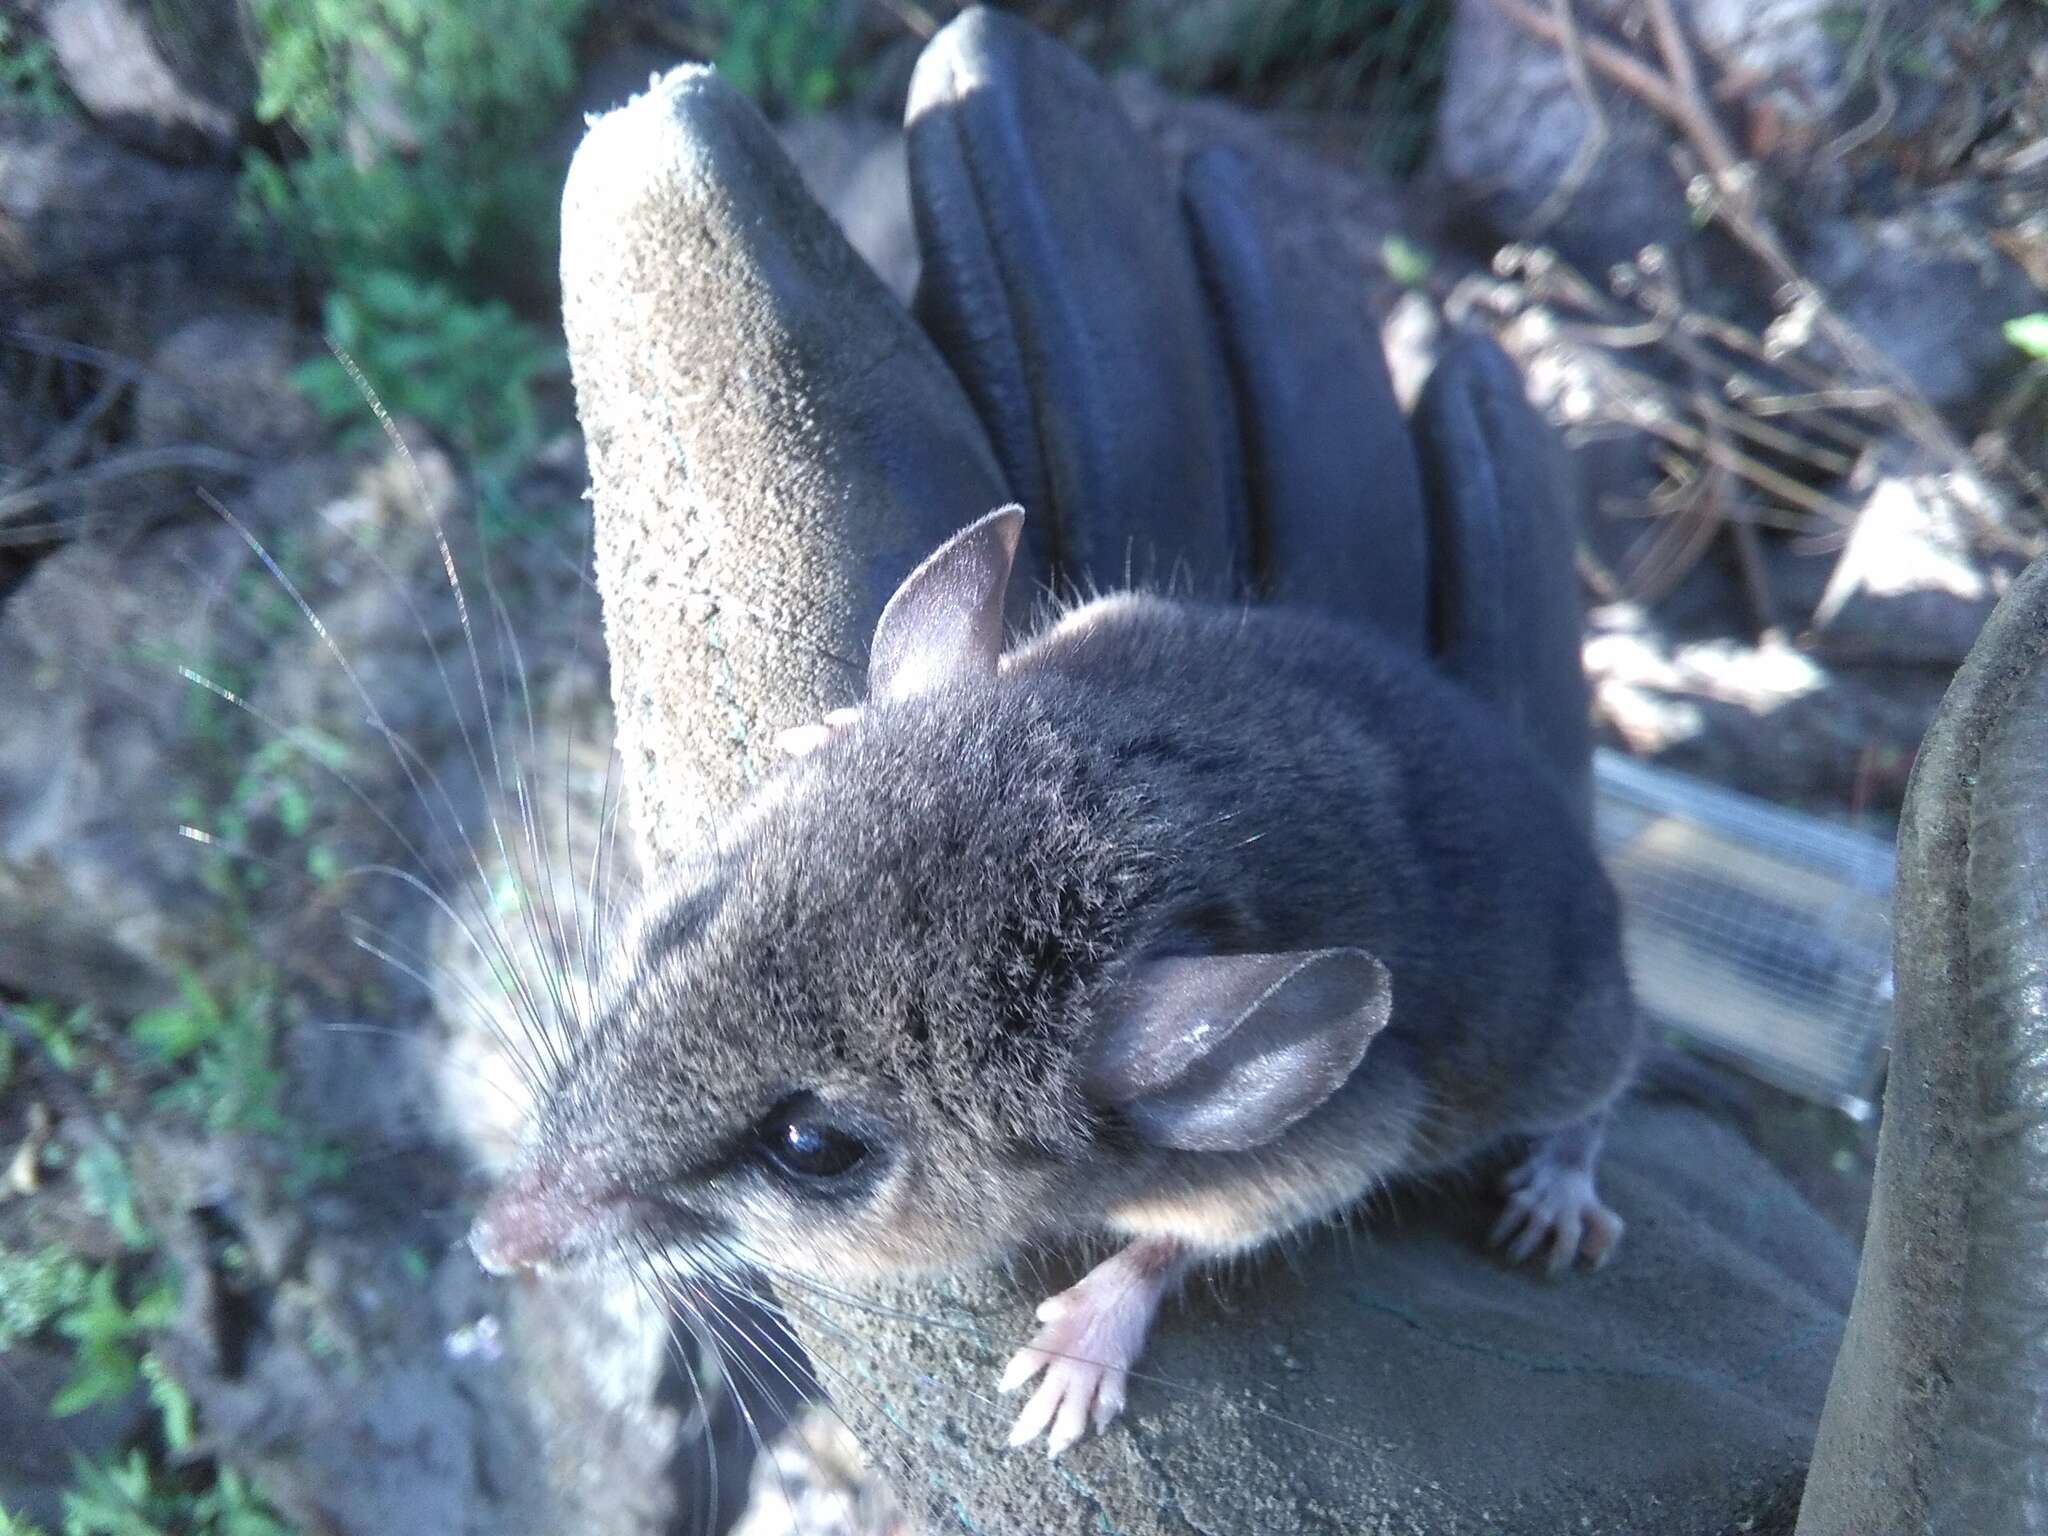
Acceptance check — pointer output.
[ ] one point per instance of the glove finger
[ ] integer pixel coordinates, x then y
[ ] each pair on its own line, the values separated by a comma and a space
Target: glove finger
1057, 281
1337, 519
1937, 1415
1504, 596
800, 442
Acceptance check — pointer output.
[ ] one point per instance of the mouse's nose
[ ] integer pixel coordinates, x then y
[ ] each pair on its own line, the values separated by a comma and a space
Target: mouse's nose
537, 1216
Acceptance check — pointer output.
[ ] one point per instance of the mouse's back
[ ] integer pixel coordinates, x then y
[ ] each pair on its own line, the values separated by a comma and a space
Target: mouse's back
1327, 789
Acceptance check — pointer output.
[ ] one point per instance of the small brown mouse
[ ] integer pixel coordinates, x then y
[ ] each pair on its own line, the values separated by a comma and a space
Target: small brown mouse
1185, 923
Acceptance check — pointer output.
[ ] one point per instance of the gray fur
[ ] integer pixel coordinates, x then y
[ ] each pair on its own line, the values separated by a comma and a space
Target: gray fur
923, 921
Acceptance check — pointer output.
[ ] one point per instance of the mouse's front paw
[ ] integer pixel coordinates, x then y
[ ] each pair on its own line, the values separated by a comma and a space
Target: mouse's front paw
1077, 1393
1092, 1334
1554, 1206
803, 740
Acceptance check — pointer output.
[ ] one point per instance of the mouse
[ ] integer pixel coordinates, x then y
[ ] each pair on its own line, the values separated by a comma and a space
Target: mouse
1187, 924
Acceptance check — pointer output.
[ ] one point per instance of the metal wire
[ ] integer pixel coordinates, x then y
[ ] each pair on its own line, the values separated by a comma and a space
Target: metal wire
1760, 933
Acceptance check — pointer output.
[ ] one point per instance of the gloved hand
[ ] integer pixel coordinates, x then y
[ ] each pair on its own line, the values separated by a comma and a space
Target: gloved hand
774, 443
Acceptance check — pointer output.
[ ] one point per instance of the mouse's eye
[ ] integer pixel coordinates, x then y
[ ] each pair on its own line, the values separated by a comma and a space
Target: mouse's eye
800, 1138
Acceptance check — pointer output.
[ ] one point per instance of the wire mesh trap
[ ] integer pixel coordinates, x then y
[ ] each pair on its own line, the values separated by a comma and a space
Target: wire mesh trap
1761, 934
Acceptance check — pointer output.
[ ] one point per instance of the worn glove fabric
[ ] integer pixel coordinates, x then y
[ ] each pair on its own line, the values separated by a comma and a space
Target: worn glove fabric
1937, 1419
774, 442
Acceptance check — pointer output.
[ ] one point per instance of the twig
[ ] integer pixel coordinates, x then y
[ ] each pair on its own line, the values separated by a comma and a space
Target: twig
1749, 558
1591, 146
1682, 529
1600, 581
1853, 139
188, 457
61, 450
1793, 446
1618, 64
1783, 486
1861, 52
1676, 94
915, 19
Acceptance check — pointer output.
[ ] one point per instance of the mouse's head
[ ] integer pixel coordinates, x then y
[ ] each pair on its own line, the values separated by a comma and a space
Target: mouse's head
928, 992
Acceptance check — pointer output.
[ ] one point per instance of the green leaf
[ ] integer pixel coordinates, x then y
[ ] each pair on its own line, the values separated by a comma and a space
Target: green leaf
1407, 263
103, 1377
113, 1499
36, 1288
108, 1191
174, 1032
2030, 334
173, 1404
233, 1507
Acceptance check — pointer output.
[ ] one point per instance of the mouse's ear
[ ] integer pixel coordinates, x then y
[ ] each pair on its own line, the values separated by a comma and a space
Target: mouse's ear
946, 620
1217, 1053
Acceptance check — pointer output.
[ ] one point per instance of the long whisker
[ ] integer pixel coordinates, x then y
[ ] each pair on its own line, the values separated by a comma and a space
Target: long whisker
401, 750
529, 1018
658, 1303
455, 587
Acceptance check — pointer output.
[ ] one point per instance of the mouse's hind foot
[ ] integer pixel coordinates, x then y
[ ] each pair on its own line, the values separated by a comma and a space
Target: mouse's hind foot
1093, 1333
1553, 1205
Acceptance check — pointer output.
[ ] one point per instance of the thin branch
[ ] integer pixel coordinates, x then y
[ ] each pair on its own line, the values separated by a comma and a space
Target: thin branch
1677, 95
1618, 64
1595, 140
189, 458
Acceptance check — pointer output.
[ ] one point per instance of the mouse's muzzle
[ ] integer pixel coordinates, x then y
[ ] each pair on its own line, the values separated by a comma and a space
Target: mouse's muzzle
539, 1215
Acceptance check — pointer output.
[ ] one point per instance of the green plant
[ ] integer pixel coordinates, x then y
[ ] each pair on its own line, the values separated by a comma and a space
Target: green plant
173, 1405
107, 1333
107, 1190
227, 1077
130, 1498
1406, 262
466, 366
790, 56
2030, 334
36, 1289
416, 117
29, 77
58, 1029
417, 187
53, 1289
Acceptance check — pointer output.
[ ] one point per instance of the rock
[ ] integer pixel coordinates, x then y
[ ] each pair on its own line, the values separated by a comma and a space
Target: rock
1509, 130
1768, 719
500, 790
108, 247
1511, 124
1916, 580
857, 169
361, 1405
1881, 272
225, 380
1786, 47
175, 81
96, 890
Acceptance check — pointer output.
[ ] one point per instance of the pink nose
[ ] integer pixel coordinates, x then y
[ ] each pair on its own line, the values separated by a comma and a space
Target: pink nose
533, 1218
